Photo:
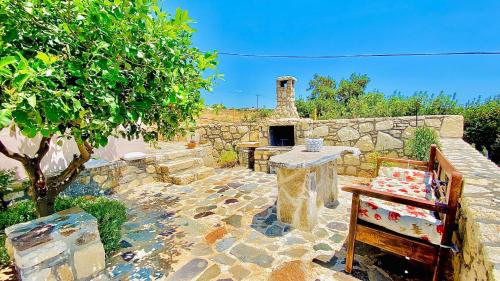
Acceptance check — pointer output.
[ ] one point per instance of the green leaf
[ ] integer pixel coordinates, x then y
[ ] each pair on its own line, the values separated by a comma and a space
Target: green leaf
7, 60
19, 81
43, 57
5, 118
32, 101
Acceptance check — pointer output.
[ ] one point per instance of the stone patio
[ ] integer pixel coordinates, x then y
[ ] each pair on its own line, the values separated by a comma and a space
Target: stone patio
225, 228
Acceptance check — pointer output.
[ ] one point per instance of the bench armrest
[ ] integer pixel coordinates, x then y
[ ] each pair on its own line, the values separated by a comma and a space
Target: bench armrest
401, 199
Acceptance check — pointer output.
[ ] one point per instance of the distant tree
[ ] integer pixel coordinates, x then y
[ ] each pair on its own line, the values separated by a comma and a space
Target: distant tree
90, 69
325, 87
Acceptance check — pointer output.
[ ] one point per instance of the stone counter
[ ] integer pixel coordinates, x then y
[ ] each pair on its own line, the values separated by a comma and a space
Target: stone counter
306, 182
300, 158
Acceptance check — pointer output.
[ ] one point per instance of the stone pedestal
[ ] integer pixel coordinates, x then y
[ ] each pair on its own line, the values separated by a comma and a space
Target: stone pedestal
63, 246
306, 182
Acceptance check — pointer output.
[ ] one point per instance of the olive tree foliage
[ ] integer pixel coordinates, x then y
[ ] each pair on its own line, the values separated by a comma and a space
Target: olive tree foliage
88, 70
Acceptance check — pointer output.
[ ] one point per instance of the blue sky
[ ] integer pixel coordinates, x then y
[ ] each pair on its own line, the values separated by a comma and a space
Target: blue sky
315, 27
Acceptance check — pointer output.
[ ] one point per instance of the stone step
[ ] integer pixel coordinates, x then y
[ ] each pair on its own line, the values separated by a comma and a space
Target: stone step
177, 154
179, 165
191, 175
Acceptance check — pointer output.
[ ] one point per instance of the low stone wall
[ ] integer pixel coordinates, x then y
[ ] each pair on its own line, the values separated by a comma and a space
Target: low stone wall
63, 246
479, 217
385, 136
104, 178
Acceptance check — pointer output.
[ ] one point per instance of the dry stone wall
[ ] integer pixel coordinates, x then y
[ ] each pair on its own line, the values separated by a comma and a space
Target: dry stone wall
386, 136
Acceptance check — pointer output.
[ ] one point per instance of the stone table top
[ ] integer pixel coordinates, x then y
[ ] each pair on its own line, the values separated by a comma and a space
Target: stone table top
299, 158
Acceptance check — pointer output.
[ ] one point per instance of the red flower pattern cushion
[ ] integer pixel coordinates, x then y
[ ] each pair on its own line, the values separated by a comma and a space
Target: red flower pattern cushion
403, 174
407, 220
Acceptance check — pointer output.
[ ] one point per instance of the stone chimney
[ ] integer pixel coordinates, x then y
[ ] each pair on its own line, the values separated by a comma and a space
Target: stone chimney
285, 98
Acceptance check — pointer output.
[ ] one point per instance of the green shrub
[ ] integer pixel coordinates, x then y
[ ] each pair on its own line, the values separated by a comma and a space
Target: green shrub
482, 126
228, 158
110, 215
420, 142
4, 256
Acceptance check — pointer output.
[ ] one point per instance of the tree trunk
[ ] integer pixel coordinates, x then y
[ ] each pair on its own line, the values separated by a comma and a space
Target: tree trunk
44, 190
45, 206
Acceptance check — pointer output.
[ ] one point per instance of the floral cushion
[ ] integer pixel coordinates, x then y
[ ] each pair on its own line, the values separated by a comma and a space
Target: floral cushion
408, 188
403, 174
404, 219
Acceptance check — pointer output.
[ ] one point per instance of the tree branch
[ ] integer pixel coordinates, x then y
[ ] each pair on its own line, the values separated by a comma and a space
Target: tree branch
24, 159
60, 182
43, 148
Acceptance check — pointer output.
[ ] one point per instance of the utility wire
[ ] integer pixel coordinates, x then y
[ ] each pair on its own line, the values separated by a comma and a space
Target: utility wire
473, 53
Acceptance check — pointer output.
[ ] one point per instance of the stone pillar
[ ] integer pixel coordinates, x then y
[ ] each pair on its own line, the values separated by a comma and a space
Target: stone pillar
285, 98
63, 246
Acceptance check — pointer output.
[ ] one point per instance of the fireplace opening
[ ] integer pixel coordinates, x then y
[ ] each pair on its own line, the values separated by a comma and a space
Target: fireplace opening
281, 136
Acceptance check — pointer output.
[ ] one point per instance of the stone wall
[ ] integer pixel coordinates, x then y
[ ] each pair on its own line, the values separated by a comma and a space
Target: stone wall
479, 216
373, 136
64, 246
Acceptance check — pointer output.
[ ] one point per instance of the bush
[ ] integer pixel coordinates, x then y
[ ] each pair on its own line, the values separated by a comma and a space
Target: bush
482, 126
110, 215
228, 158
420, 143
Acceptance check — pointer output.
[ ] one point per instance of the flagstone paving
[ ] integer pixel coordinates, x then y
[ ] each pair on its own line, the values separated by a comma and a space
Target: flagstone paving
225, 228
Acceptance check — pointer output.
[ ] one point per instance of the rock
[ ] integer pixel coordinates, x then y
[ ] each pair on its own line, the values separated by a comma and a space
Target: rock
290, 271
239, 272
387, 142
321, 131
408, 132
64, 273
434, 122
189, 270
365, 144
203, 214
223, 259
347, 134
99, 179
210, 273
250, 254
365, 127
384, 125
89, 260
234, 220
452, 127
225, 244
322, 247
338, 226
215, 235
350, 159
274, 231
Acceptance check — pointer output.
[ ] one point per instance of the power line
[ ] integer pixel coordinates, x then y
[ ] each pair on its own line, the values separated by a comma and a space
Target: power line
473, 53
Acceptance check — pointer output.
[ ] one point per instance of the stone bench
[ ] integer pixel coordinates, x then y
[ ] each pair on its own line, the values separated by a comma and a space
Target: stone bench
63, 246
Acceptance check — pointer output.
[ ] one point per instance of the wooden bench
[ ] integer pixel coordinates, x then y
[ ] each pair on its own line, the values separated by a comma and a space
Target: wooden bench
445, 183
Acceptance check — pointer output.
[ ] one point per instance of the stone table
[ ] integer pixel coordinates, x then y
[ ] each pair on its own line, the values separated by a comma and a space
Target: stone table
306, 182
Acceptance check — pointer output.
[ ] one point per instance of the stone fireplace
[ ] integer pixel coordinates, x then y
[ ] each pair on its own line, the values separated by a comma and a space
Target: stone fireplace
282, 135
285, 98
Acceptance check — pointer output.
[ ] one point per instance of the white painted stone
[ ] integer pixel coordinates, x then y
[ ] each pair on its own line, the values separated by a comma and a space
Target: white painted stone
133, 156
347, 134
386, 142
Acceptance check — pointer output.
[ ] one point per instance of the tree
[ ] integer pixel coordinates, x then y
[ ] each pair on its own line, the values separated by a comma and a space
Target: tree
88, 70
325, 87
